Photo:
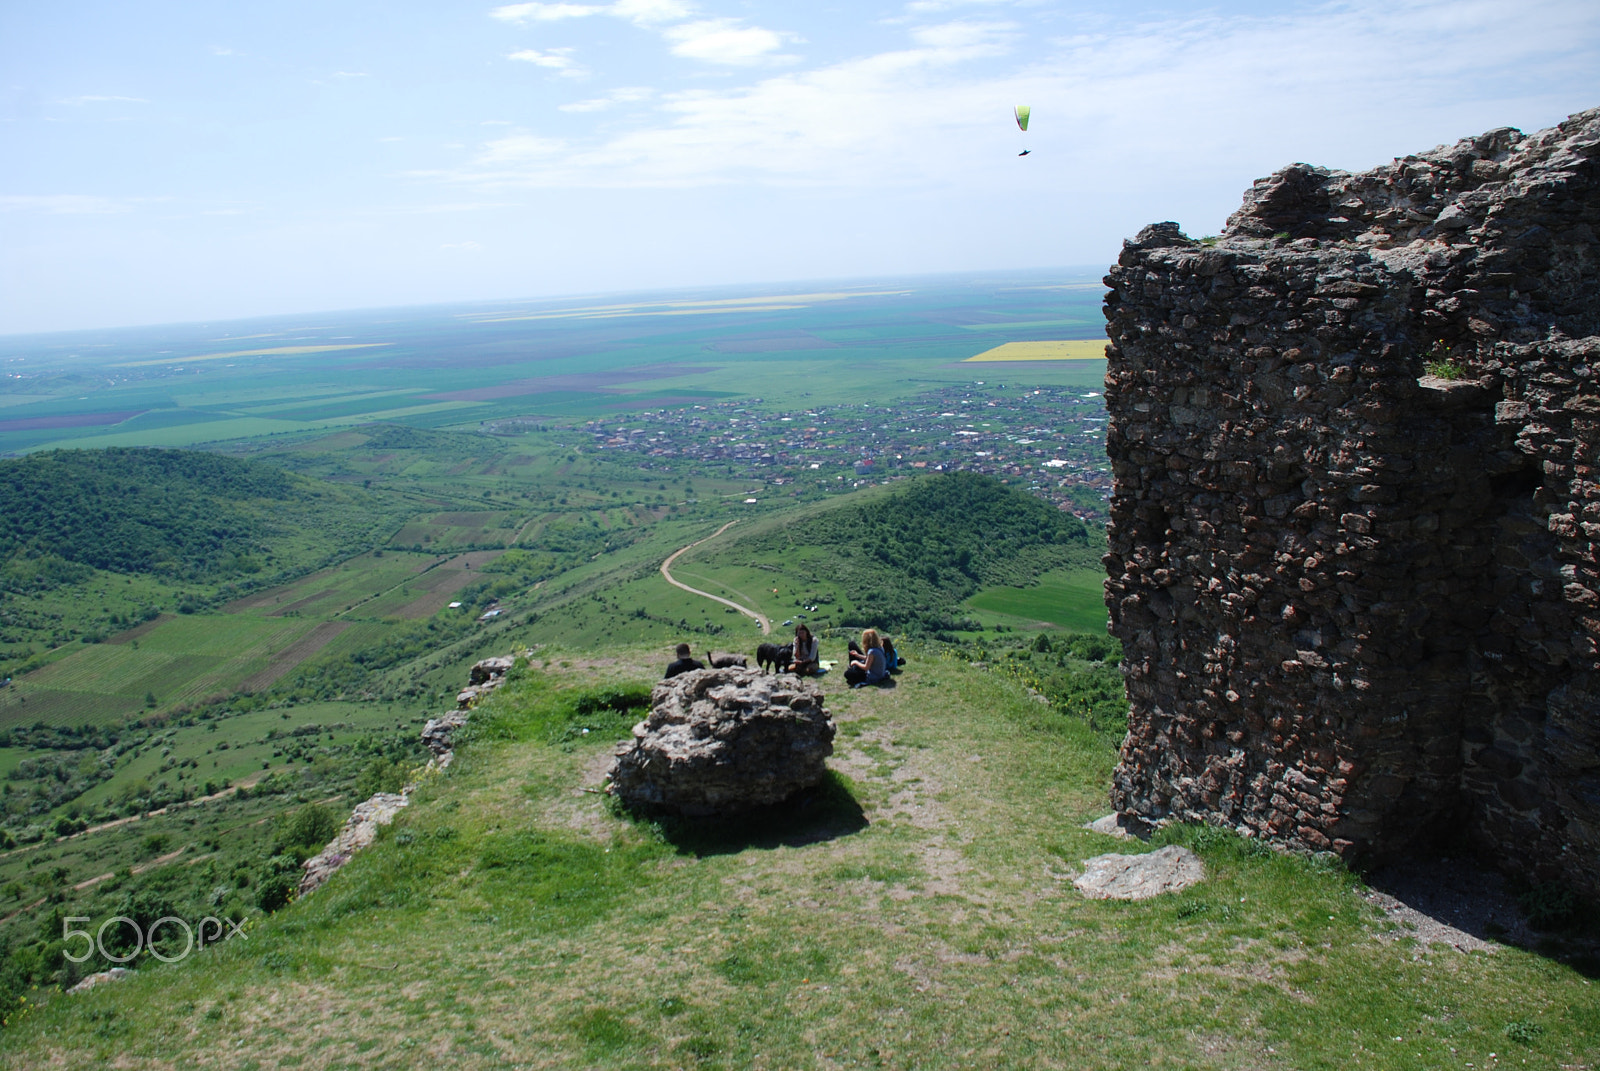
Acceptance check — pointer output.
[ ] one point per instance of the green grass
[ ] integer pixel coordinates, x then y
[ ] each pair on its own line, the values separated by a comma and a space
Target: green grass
318, 747
1070, 600
511, 918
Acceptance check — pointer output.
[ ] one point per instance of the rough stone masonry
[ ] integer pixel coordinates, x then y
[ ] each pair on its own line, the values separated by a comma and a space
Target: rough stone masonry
1360, 602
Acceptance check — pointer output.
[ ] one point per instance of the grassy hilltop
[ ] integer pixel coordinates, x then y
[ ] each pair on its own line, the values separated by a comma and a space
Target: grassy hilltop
917, 915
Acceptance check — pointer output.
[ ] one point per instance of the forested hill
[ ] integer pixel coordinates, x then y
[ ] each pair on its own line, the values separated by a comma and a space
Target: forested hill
909, 557
177, 513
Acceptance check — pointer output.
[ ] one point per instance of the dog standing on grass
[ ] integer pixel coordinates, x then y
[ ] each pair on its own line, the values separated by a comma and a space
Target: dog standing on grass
775, 656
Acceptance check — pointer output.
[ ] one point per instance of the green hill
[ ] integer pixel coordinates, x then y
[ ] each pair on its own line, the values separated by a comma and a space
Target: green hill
95, 541
905, 559
176, 513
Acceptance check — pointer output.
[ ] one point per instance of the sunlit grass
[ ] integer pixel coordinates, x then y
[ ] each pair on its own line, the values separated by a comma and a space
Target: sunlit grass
513, 917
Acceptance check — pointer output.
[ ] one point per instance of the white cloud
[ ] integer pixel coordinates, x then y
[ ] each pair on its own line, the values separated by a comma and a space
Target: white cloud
61, 204
92, 98
351, 74
518, 148
641, 12
971, 39
556, 59
649, 12
218, 50
1168, 104
623, 95
723, 41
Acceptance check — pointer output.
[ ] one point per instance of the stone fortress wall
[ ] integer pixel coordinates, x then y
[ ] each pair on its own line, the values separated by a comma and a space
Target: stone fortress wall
1360, 603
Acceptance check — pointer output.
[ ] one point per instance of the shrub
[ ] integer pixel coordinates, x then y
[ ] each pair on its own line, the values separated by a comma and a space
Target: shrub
305, 831
1549, 907
276, 885
381, 775
1523, 1032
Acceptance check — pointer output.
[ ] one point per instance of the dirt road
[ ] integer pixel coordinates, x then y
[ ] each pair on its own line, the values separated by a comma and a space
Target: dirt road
666, 571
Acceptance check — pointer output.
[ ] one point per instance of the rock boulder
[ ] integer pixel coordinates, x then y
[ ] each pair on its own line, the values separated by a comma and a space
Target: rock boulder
719, 741
359, 830
1139, 877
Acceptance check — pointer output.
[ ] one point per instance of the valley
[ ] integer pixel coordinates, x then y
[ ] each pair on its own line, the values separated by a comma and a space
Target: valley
180, 731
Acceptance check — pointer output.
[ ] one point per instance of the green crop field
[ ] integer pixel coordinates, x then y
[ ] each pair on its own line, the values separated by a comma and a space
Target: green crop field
817, 349
1074, 601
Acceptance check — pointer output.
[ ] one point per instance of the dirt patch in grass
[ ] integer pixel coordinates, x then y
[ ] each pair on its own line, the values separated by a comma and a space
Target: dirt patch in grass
293, 655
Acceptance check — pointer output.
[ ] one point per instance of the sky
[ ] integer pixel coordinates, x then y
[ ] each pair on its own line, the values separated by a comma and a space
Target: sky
193, 161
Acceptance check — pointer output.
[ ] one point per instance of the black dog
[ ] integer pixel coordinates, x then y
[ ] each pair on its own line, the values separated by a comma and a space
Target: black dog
771, 654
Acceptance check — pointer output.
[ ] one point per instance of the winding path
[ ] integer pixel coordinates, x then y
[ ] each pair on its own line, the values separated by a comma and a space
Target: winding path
666, 571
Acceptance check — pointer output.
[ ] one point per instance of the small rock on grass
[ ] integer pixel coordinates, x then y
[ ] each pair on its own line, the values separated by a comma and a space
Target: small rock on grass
1139, 877
1121, 826
115, 974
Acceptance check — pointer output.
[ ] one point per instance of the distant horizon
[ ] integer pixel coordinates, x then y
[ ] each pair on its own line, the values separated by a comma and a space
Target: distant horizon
11, 339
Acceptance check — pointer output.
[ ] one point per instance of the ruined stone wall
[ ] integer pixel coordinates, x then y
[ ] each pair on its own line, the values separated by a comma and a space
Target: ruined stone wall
1359, 601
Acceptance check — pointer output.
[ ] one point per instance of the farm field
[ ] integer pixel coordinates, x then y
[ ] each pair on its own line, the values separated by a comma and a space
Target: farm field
1074, 601
188, 385
1085, 350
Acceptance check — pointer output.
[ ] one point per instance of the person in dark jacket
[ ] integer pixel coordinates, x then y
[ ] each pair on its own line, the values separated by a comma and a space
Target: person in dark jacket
684, 663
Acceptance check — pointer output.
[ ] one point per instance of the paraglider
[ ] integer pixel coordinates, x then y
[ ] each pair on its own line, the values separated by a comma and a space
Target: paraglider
1022, 113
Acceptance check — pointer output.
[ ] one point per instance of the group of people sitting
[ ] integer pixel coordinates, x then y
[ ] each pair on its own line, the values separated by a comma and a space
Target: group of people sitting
871, 661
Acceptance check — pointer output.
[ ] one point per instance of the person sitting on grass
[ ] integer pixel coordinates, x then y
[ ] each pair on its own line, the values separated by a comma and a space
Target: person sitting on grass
684, 663
891, 657
868, 667
805, 657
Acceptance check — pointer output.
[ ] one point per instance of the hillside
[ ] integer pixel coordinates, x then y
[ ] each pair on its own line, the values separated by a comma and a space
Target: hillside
95, 541
906, 558
920, 915
182, 514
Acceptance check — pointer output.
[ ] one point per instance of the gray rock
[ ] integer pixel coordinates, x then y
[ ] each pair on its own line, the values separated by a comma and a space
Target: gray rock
439, 734
115, 974
491, 668
1122, 826
360, 829
722, 740
1139, 877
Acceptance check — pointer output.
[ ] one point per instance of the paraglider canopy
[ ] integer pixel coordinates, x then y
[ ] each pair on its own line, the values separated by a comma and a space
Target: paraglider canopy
1022, 116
